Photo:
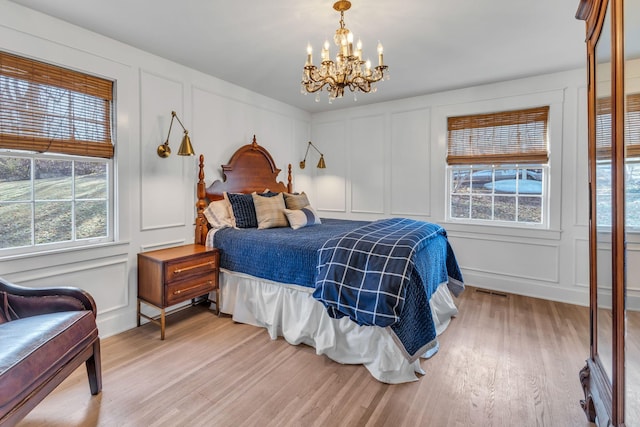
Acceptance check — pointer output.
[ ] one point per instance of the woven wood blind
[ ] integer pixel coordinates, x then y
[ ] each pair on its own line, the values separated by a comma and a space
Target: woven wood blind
497, 138
45, 108
631, 126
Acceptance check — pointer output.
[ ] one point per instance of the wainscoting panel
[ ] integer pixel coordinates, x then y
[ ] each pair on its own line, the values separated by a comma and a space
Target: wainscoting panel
331, 187
410, 159
161, 179
367, 161
526, 260
105, 279
581, 250
222, 124
633, 268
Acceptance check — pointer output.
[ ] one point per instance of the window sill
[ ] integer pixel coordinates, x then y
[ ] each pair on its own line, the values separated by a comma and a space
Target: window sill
86, 251
462, 229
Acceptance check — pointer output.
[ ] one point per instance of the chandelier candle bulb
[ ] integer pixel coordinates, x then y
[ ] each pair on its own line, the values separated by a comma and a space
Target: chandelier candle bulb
380, 50
309, 52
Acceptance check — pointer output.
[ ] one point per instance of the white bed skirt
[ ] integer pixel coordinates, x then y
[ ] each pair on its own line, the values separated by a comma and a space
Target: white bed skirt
290, 311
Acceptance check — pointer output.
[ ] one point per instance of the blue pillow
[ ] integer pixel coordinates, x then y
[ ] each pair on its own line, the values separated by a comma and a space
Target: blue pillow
243, 209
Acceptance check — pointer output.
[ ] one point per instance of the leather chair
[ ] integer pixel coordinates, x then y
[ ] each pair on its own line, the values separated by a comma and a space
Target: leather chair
45, 334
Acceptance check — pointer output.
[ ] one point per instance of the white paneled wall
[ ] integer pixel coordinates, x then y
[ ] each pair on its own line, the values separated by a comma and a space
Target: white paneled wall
367, 164
330, 192
161, 178
396, 166
410, 150
155, 206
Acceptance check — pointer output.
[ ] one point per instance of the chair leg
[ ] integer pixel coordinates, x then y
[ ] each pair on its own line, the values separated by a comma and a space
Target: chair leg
94, 369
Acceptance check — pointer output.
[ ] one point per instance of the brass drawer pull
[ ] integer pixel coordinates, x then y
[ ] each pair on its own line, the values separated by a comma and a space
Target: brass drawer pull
182, 270
199, 285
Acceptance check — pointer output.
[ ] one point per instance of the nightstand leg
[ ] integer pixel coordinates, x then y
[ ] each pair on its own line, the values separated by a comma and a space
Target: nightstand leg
138, 312
162, 323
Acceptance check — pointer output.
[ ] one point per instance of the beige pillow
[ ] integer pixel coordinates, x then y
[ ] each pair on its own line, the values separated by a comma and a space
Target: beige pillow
270, 211
299, 218
296, 201
218, 214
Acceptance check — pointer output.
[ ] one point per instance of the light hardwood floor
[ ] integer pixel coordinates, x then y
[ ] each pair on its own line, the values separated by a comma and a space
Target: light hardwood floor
504, 361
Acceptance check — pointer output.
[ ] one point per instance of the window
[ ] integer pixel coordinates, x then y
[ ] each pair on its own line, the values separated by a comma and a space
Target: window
632, 161
55, 155
498, 166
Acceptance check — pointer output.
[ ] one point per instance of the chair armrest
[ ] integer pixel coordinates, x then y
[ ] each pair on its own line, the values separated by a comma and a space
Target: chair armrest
22, 301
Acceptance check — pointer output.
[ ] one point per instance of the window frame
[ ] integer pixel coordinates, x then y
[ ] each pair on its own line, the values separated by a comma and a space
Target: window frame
504, 162
72, 148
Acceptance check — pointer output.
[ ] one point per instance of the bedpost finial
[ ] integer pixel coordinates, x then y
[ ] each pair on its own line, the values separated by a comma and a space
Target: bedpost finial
254, 143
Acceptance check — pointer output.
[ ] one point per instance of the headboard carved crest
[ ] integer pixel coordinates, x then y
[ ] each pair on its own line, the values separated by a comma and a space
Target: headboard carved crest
251, 168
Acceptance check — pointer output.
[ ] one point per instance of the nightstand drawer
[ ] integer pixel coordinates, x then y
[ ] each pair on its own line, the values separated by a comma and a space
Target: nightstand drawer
180, 291
190, 267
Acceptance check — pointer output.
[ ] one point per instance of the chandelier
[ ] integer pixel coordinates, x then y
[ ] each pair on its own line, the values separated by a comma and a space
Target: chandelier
348, 70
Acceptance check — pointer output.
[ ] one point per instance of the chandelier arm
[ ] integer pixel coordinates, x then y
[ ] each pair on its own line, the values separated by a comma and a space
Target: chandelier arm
363, 89
326, 81
311, 88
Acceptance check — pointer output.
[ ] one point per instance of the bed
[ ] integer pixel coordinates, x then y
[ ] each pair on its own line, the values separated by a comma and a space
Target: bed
311, 281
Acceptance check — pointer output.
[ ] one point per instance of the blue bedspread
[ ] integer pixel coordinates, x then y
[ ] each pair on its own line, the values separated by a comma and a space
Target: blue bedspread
291, 256
280, 254
384, 274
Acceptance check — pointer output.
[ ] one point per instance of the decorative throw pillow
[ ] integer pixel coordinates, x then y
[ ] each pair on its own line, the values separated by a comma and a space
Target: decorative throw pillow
218, 215
243, 209
299, 218
270, 211
296, 201
268, 193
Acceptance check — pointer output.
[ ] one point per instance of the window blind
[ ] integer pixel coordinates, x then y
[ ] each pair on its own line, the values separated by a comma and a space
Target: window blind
46, 108
496, 138
631, 126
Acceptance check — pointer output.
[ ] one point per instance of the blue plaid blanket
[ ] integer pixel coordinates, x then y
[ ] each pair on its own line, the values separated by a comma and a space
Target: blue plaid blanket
384, 274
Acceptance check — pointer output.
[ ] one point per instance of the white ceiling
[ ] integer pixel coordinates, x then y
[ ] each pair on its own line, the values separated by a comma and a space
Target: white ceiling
430, 45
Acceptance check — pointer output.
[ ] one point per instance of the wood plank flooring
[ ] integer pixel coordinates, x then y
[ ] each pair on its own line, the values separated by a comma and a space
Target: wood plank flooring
504, 361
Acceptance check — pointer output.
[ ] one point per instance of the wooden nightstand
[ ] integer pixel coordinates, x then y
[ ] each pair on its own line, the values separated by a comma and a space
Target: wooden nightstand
171, 276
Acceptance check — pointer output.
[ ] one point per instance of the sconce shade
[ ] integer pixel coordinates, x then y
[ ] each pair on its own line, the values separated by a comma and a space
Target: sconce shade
321, 163
186, 149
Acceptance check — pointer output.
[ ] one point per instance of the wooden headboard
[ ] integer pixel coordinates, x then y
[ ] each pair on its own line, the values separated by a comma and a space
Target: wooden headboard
250, 169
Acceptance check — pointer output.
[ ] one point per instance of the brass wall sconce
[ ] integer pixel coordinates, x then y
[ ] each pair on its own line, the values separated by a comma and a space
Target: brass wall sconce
186, 149
321, 164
